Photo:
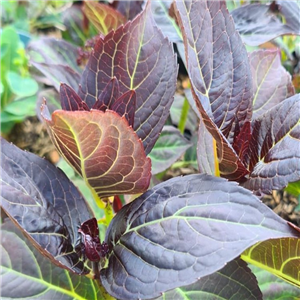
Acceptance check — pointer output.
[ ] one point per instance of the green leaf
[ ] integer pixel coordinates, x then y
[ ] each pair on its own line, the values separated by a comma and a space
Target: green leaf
102, 148
21, 86
10, 42
22, 107
273, 287
281, 257
234, 281
169, 147
293, 188
181, 230
26, 274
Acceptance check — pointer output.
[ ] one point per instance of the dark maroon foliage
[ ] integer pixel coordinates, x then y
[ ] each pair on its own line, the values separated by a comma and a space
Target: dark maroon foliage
93, 249
187, 234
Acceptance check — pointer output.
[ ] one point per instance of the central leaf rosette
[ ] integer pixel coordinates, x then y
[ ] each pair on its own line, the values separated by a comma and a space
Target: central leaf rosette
100, 144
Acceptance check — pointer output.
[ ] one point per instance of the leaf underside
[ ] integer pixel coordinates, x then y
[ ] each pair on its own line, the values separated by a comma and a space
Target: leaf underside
278, 256
45, 205
103, 149
181, 230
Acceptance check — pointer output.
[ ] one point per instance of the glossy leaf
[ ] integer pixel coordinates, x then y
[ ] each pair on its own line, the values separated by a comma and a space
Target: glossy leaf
272, 83
26, 274
142, 59
258, 22
169, 147
102, 148
217, 62
103, 17
274, 148
57, 60
93, 249
181, 230
281, 257
273, 287
129, 8
45, 205
234, 281
70, 100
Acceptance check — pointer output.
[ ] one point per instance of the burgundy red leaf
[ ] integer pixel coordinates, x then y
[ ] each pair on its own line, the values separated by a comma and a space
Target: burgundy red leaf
125, 106
70, 100
143, 60
108, 96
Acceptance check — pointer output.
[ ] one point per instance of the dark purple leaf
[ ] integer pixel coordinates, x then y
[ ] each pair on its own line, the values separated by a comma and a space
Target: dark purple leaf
242, 140
45, 205
142, 59
108, 96
258, 23
92, 245
27, 274
70, 100
272, 83
181, 230
218, 64
129, 8
57, 60
125, 106
274, 148
234, 281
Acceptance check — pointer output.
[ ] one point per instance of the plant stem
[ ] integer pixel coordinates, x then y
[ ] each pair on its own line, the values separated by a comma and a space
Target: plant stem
184, 115
217, 169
